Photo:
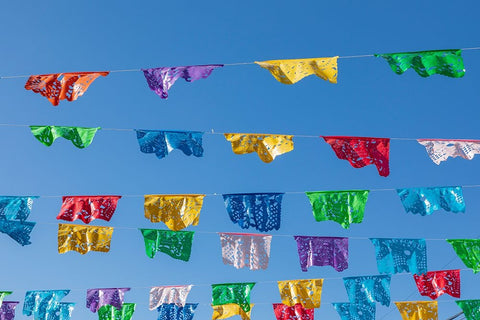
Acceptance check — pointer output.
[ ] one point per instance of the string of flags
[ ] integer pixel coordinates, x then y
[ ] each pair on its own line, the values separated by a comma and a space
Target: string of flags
71, 85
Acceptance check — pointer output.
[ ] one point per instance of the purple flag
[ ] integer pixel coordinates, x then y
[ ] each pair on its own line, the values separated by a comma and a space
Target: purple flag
161, 79
96, 298
7, 310
322, 251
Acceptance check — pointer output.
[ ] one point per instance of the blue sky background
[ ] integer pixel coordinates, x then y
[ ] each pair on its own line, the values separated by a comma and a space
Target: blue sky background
369, 100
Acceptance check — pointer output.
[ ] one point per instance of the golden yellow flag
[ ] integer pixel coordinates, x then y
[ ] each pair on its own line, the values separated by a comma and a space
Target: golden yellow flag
293, 70
229, 310
266, 146
418, 310
307, 292
80, 238
176, 211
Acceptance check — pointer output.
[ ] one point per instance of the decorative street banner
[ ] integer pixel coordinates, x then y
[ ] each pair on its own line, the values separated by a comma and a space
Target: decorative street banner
322, 251
177, 211
177, 244
80, 137
88, 208
307, 292
400, 255
293, 70
70, 87
354, 311
267, 146
109, 312
440, 150
426, 200
13, 213
7, 310
173, 312
243, 250
229, 310
435, 283
45, 304
296, 312
368, 289
469, 251
261, 211
238, 293
424, 310
169, 294
163, 142
97, 298
73, 237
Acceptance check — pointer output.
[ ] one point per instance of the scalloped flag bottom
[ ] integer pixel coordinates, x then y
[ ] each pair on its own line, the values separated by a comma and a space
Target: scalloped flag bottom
470, 308
80, 137
174, 312
268, 147
161, 79
362, 151
469, 251
352, 311
73, 237
88, 208
322, 251
163, 142
243, 250
97, 298
425, 63
368, 289
177, 244
71, 85
238, 293
307, 293
177, 211
435, 283
46, 305
296, 312
169, 294
400, 255
425, 201
293, 70
108, 312
13, 213
343, 207
229, 310
440, 150
418, 310
261, 211
7, 310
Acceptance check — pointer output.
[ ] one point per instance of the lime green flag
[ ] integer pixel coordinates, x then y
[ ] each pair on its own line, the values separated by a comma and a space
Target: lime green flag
177, 244
343, 207
469, 251
445, 62
80, 137
109, 312
238, 293
3, 294
470, 308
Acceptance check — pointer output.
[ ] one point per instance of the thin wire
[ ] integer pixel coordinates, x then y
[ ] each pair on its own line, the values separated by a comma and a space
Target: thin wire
230, 64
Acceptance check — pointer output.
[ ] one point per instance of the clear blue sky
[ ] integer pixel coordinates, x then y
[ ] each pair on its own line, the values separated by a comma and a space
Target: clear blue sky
369, 100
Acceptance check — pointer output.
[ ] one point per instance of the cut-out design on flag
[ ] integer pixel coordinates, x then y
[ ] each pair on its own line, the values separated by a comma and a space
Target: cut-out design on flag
88, 208
468, 250
470, 308
362, 151
73, 237
177, 244
435, 283
322, 251
296, 312
238, 293
261, 211
355, 311
61, 86
80, 137
267, 146
425, 63
368, 289
306, 292
169, 294
343, 207
400, 255
108, 312
15, 208
440, 149
161, 79
7, 310
97, 298
173, 312
46, 305
425, 201
229, 310
418, 310
291, 71
163, 142
18, 230
243, 250
177, 211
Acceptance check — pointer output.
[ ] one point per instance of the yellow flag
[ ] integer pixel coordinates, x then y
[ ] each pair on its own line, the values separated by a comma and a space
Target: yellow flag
267, 146
293, 70
80, 238
418, 310
307, 292
229, 310
176, 211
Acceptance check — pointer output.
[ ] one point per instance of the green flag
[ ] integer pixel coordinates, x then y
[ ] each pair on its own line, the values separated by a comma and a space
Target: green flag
177, 244
469, 251
80, 137
109, 312
470, 308
238, 293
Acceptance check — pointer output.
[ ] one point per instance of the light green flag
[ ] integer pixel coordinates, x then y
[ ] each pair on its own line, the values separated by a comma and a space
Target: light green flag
109, 312
469, 251
238, 293
80, 137
470, 308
